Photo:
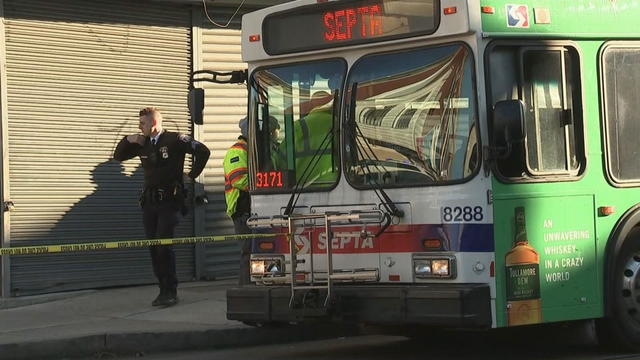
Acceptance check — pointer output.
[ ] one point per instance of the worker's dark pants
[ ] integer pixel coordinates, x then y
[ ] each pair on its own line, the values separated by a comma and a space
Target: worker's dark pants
240, 227
160, 220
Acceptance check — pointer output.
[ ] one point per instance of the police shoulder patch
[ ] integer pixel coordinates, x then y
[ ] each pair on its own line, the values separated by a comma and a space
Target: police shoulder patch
234, 159
184, 138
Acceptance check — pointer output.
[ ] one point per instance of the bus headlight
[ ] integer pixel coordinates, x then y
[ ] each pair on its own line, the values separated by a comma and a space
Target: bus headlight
272, 265
422, 267
440, 267
429, 267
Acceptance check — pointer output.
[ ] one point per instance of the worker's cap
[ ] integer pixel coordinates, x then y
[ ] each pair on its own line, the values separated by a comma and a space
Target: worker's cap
244, 127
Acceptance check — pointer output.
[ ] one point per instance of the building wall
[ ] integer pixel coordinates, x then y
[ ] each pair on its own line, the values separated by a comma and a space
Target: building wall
225, 105
77, 72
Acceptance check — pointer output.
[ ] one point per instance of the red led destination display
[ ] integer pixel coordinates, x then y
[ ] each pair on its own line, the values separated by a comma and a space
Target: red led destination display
340, 23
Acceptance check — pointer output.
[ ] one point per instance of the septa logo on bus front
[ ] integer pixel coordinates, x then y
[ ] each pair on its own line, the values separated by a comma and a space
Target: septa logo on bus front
517, 16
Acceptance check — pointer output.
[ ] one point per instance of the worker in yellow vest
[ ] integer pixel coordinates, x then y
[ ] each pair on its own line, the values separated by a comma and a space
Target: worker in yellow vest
313, 138
236, 183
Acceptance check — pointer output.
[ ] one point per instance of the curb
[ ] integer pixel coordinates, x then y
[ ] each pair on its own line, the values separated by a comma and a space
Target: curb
146, 343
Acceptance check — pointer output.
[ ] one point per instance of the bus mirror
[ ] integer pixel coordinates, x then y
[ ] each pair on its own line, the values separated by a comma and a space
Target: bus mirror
508, 122
196, 105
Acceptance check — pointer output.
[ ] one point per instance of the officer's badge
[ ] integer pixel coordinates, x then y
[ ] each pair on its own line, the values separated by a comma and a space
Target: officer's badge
165, 152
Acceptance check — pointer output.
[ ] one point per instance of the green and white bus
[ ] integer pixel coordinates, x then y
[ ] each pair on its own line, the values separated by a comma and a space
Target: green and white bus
453, 163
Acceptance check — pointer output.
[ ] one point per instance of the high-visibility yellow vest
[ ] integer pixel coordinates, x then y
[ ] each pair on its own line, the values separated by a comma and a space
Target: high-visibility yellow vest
309, 133
236, 176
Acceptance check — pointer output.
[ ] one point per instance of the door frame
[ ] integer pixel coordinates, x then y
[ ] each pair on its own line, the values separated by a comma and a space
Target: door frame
5, 238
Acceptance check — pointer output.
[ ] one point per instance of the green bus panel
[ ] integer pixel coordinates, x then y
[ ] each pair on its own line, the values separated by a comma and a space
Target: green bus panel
561, 235
562, 18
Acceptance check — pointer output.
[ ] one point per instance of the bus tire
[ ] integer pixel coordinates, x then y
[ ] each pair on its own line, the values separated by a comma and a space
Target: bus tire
620, 328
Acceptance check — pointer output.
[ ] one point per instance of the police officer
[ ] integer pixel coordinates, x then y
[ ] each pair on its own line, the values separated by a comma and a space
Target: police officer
236, 182
162, 154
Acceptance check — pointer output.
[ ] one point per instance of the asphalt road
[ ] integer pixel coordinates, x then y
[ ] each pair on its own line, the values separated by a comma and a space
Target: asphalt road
574, 341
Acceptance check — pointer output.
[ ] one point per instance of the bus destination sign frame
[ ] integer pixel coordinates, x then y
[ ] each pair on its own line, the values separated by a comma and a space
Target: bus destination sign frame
350, 22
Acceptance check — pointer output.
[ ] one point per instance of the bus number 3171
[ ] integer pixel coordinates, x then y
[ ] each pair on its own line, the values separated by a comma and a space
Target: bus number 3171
269, 179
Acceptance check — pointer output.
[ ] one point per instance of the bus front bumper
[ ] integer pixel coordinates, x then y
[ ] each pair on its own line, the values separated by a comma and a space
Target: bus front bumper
448, 305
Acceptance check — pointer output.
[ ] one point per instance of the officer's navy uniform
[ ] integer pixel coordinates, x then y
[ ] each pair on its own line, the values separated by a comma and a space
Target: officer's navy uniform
163, 197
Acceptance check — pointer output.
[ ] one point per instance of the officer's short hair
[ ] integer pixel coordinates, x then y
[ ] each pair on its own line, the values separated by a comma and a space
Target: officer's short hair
153, 111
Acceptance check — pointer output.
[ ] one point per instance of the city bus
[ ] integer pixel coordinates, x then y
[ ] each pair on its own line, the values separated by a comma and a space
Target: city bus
449, 163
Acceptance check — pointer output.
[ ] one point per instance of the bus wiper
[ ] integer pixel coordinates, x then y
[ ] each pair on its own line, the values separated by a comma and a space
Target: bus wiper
356, 133
385, 200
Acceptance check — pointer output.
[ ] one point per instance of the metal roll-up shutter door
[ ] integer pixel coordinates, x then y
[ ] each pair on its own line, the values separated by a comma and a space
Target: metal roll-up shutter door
77, 73
225, 105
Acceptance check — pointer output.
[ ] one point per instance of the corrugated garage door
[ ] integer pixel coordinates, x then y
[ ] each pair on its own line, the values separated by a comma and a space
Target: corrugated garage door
77, 73
225, 105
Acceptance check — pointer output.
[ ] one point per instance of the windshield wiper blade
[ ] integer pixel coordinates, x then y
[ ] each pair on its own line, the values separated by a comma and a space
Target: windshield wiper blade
315, 160
385, 200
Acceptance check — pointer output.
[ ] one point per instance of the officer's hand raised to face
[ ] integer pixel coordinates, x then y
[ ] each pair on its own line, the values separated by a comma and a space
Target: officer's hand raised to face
136, 139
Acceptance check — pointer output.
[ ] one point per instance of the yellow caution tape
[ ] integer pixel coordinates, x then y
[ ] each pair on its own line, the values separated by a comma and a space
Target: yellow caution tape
128, 244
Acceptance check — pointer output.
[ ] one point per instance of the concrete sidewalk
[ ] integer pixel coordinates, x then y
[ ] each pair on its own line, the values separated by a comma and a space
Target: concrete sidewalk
122, 321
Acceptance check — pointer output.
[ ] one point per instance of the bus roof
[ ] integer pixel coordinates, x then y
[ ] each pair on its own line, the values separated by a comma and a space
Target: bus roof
561, 18
565, 19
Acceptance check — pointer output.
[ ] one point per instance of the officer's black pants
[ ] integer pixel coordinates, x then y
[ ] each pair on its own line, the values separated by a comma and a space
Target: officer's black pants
240, 226
160, 220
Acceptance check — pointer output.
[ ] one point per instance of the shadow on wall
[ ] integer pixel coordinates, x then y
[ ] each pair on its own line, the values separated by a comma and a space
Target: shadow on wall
109, 213
97, 204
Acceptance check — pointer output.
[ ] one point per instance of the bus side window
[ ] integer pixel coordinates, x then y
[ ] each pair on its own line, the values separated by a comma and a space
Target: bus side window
547, 81
549, 124
620, 74
505, 85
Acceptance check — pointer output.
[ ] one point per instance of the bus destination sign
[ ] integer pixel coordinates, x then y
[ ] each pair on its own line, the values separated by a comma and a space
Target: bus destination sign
340, 24
347, 22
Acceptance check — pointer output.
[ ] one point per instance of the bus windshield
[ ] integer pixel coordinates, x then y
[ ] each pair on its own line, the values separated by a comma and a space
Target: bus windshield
295, 110
413, 123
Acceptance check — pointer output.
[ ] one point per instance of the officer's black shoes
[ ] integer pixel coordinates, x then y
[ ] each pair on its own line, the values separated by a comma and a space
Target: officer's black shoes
165, 299
170, 300
159, 299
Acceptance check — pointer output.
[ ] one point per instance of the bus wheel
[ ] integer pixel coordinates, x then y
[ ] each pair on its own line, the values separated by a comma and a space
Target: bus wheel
620, 329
